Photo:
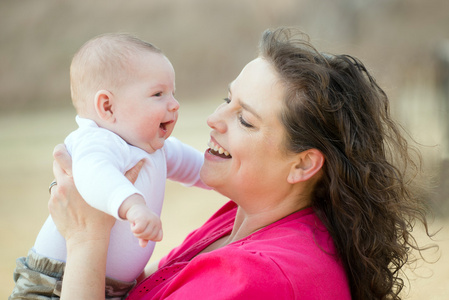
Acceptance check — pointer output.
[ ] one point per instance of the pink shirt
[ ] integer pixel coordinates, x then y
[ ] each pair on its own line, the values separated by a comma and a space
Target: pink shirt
293, 258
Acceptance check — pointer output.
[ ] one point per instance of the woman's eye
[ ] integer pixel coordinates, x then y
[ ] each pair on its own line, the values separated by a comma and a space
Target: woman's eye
244, 123
241, 120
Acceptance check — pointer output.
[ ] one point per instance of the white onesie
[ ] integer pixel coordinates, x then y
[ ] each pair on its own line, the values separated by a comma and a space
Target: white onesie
100, 158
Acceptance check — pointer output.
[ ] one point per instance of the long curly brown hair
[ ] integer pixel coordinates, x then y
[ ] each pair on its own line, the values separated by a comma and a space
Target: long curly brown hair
365, 196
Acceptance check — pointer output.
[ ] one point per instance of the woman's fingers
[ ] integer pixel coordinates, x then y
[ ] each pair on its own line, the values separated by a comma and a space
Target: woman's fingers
63, 179
133, 173
58, 203
63, 158
71, 214
69, 211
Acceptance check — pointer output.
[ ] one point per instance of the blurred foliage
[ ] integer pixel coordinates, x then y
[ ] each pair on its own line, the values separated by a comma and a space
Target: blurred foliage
207, 41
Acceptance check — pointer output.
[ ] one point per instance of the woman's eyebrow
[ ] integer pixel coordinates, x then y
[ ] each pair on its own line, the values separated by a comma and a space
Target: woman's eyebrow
245, 106
250, 109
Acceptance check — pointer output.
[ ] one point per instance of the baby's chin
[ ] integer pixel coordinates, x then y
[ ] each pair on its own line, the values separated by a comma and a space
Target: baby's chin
153, 147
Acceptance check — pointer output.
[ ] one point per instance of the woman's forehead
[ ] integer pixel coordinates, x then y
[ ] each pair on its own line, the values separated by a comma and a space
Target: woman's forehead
258, 90
256, 72
258, 79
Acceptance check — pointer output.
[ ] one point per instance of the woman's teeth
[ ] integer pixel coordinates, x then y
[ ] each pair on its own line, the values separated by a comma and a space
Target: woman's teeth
218, 149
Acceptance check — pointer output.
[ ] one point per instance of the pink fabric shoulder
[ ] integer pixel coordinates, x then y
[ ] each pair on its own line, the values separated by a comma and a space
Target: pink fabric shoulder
294, 258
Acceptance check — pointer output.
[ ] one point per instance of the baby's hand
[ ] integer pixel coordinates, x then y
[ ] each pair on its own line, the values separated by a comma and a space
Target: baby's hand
145, 224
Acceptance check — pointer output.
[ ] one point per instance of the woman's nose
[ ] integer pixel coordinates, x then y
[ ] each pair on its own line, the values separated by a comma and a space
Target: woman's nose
216, 121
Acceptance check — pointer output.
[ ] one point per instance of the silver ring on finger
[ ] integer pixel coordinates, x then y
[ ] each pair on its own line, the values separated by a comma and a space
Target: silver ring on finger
51, 185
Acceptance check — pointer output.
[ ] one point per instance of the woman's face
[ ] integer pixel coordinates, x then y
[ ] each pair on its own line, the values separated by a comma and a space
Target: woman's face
246, 129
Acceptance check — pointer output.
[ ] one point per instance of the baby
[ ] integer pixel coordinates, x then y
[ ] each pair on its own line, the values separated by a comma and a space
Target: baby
123, 91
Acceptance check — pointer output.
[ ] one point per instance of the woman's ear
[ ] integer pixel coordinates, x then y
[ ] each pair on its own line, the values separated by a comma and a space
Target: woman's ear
306, 165
104, 101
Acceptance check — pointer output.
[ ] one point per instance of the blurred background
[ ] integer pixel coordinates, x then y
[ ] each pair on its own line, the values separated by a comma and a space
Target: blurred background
404, 43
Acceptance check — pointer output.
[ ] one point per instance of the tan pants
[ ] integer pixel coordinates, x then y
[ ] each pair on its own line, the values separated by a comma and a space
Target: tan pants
40, 278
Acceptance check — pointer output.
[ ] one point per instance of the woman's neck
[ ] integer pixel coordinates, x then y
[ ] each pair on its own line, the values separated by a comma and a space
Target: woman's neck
249, 221
254, 215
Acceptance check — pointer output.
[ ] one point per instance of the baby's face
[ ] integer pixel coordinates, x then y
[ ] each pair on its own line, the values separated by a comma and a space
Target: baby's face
146, 110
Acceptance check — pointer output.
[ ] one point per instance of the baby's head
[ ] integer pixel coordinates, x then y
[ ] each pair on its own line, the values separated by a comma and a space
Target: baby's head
125, 85
104, 62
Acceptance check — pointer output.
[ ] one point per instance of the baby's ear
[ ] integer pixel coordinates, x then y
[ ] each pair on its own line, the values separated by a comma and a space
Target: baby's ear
104, 101
307, 164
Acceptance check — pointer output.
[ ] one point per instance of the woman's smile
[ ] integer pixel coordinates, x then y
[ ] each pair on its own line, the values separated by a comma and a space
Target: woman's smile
218, 150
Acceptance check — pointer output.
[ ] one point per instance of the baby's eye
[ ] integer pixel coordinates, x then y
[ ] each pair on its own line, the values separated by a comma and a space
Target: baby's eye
227, 100
158, 94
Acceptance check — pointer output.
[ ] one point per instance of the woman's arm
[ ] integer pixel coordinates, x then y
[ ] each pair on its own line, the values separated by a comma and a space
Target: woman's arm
85, 272
85, 229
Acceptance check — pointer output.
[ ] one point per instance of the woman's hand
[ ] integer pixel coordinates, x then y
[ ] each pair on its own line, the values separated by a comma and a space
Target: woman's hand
74, 218
85, 229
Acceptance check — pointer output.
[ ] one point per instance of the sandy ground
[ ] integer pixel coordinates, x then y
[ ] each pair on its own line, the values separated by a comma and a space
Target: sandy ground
26, 143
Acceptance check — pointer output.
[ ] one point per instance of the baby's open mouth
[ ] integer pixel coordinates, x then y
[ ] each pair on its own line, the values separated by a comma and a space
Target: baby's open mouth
163, 126
218, 150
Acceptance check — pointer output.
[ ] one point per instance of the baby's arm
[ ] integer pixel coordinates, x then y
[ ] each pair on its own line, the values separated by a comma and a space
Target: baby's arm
145, 224
99, 159
184, 163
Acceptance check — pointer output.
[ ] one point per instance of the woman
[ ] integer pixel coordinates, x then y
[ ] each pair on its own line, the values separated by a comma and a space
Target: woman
321, 209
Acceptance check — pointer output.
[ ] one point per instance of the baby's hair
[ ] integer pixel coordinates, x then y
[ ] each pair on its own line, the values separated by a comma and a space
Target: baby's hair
104, 62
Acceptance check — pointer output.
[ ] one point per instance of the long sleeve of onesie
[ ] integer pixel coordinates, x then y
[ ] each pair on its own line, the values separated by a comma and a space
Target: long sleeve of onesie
183, 163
